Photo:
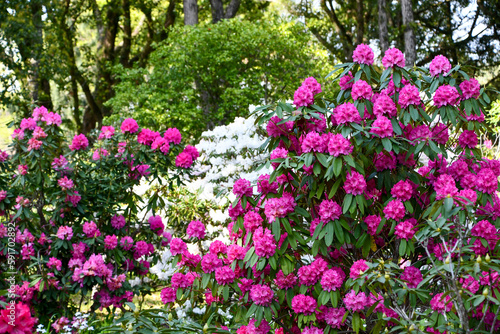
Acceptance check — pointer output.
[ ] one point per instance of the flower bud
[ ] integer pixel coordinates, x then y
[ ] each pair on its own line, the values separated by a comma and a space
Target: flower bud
205, 328
448, 260
487, 258
485, 292
479, 259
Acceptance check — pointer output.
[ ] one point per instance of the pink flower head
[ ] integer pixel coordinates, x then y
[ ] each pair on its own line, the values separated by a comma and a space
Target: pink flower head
156, 224
184, 160
18, 134
405, 230
355, 302
39, 113
107, 132
304, 304
355, 183
177, 246
361, 90
80, 142
393, 57
402, 190
346, 81
440, 134
303, 97
334, 317
329, 210
278, 153
279, 207
90, 229
338, 145
382, 127
235, 252
384, 160
192, 151
261, 295
439, 65
127, 243
196, 229
313, 85
147, 137
173, 135
118, 221
385, 106
468, 138
470, 89
65, 183
440, 304
224, 275
358, 268
65, 233
218, 247
445, 186
264, 243
54, 263
308, 275
332, 279
168, 295
373, 223
39, 133
312, 142
409, 95
252, 221
446, 95
110, 241
28, 124
346, 113
274, 129
34, 144
395, 210
363, 54
53, 118
129, 125
242, 187
210, 262
486, 181
412, 276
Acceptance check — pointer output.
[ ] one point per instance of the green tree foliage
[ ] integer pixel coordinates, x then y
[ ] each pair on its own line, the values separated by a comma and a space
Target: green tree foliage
206, 75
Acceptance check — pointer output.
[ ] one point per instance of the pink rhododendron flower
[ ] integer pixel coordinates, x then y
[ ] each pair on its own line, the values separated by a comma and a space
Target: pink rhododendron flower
34, 144
361, 90
279, 207
147, 137
118, 221
329, 210
304, 304
440, 134
80, 142
264, 243
382, 127
303, 97
65, 233
224, 275
372, 222
242, 187
313, 85
346, 113
278, 153
402, 190
261, 295
218, 247
393, 57
110, 241
332, 279
470, 89
338, 145
156, 224
405, 230
129, 125
54, 263
409, 95
346, 81
252, 221
468, 138
274, 129
173, 135
184, 160
28, 124
65, 183
308, 275
446, 95
385, 160
441, 304
355, 302
210, 262
107, 132
439, 65
312, 142
196, 229
412, 276
18, 320
177, 246
358, 268
355, 183
90, 229
486, 181
363, 54
168, 295
192, 151
384, 106
395, 210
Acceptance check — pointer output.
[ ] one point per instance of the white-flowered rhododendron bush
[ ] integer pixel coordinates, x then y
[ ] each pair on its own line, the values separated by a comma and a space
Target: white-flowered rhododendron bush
379, 214
70, 214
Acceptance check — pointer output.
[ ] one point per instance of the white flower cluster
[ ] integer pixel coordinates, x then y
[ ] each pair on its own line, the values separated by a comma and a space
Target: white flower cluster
164, 268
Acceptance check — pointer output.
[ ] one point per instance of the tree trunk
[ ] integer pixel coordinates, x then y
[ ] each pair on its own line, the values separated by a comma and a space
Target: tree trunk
190, 12
382, 26
217, 10
232, 9
360, 18
410, 47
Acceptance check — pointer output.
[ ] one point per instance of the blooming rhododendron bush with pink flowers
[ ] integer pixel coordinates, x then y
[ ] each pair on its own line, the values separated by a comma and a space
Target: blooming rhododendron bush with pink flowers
380, 213
70, 225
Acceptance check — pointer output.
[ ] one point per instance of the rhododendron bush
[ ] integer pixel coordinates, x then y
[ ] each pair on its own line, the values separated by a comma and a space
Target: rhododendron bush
379, 214
70, 212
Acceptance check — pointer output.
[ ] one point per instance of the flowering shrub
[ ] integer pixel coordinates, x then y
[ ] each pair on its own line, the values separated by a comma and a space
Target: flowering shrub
378, 206
72, 216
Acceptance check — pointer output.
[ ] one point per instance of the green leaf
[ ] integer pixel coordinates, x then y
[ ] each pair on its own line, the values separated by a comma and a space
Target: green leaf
356, 322
347, 203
